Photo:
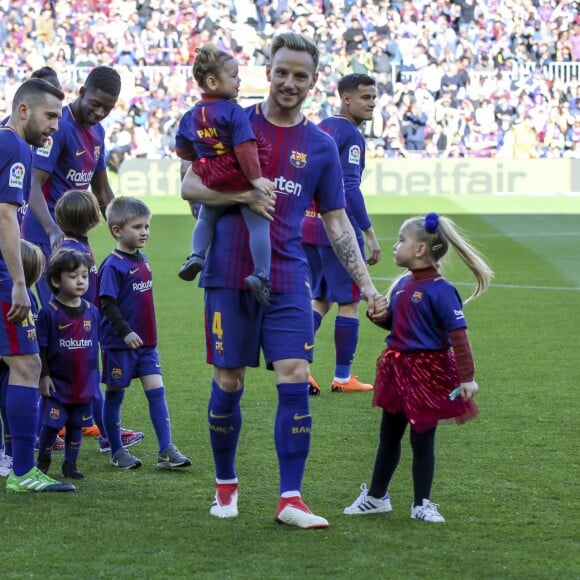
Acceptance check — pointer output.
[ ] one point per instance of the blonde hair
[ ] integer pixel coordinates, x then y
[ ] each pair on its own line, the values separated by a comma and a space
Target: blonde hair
295, 41
122, 209
440, 232
33, 262
209, 61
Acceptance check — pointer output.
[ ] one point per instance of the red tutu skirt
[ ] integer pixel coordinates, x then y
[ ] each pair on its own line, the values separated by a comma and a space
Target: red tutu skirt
223, 172
418, 386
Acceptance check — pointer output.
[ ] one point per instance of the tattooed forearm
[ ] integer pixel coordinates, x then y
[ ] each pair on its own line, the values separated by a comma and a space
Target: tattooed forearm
346, 249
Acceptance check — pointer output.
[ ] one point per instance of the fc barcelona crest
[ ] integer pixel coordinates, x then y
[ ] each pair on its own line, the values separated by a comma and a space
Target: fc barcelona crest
54, 413
298, 159
97, 152
87, 325
417, 296
116, 373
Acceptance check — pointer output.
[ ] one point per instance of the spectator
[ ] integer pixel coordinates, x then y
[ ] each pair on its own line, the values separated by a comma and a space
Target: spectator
512, 38
505, 113
467, 14
438, 138
484, 64
414, 127
520, 142
354, 37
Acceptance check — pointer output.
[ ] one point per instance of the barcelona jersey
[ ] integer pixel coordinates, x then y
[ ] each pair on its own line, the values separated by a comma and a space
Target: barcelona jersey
127, 278
213, 127
72, 344
71, 157
424, 312
15, 175
351, 148
305, 167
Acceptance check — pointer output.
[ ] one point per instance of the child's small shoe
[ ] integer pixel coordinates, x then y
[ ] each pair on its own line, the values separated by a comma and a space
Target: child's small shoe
192, 266
259, 285
69, 469
427, 512
43, 462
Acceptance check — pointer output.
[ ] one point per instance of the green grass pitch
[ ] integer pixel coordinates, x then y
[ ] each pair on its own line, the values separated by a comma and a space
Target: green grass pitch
507, 483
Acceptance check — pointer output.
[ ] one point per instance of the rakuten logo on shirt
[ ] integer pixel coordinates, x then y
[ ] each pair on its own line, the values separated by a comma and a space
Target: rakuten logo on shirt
287, 186
142, 286
80, 178
75, 343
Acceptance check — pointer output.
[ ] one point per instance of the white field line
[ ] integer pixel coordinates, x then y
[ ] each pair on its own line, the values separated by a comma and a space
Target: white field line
520, 235
513, 286
530, 235
494, 285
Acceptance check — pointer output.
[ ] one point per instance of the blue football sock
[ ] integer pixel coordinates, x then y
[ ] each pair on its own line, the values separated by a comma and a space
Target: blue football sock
317, 319
97, 406
72, 443
159, 414
46, 440
345, 343
40, 419
292, 434
22, 413
112, 418
224, 416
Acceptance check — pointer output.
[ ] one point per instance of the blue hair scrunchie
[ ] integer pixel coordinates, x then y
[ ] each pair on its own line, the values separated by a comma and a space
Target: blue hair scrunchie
431, 222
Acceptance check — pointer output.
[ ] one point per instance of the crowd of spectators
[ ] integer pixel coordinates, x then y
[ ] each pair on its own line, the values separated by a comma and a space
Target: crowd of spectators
455, 77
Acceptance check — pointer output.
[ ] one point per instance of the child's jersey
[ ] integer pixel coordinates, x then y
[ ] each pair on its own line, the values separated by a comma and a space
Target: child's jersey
424, 311
127, 278
213, 127
72, 344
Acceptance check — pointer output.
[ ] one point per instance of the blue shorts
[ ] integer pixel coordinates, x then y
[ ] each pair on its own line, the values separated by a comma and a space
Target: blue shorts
121, 366
15, 339
237, 327
328, 277
58, 415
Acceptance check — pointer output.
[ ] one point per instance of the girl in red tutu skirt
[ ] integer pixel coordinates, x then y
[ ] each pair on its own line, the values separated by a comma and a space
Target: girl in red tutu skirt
216, 135
426, 373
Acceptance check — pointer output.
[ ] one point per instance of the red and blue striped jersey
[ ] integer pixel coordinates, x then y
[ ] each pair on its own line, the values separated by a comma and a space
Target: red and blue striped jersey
425, 308
127, 278
351, 149
213, 127
15, 175
71, 157
92, 294
305, 167
72, 345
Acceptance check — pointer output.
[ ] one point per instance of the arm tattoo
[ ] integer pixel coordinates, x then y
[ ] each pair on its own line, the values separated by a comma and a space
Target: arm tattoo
345, 247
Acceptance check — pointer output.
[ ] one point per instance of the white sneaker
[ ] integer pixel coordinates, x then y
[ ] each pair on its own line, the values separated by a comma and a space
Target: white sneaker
5, 465
366, 504
427, 512
225, 504
292, 511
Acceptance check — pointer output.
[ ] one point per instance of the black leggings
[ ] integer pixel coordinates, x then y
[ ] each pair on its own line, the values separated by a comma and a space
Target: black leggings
393, 427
